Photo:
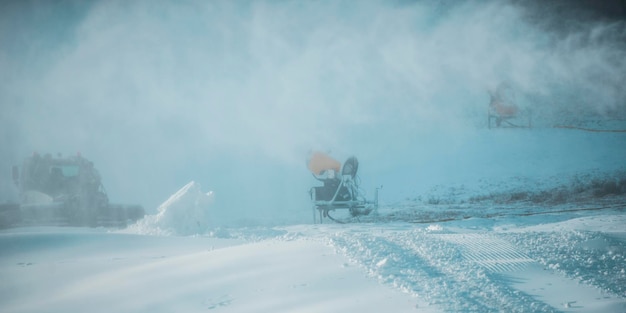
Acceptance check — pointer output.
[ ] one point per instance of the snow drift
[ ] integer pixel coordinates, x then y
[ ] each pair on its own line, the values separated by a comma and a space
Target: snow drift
186, 212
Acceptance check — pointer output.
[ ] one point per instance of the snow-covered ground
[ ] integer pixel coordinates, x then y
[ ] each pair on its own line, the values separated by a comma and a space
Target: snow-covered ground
562, 262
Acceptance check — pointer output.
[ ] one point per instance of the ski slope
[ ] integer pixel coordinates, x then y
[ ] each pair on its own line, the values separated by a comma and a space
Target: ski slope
512, 264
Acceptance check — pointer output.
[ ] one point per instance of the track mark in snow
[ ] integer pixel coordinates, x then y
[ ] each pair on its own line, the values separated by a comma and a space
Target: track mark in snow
488, 272
492, 253
222, 301
434, 270
594, 258
24, 264
516, 270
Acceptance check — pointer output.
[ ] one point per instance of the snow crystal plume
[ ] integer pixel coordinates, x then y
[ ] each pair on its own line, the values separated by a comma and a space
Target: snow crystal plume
186, 212
191, 85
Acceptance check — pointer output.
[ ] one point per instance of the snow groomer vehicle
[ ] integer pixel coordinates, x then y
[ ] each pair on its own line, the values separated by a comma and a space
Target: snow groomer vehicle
63, 191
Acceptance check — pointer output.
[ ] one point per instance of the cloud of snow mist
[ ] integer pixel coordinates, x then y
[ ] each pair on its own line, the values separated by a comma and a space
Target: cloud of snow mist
233, 94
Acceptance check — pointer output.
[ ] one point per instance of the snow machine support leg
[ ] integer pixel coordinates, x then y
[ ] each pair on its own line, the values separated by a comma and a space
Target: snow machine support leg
312, 193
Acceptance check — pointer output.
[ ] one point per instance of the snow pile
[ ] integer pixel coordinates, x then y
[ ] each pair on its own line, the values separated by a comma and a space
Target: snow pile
186, 212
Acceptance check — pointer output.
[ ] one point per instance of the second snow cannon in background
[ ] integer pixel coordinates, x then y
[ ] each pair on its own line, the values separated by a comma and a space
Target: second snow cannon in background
340, 188
504, 111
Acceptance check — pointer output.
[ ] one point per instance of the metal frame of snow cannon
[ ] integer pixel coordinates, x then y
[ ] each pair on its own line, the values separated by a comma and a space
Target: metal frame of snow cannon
497, 120
341, 192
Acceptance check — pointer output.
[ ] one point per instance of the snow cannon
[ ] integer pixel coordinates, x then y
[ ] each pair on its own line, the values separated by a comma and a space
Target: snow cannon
340, 189
504, 111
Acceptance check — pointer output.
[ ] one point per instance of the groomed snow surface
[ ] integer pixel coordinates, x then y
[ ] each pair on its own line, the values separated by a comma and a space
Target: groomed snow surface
572, 263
